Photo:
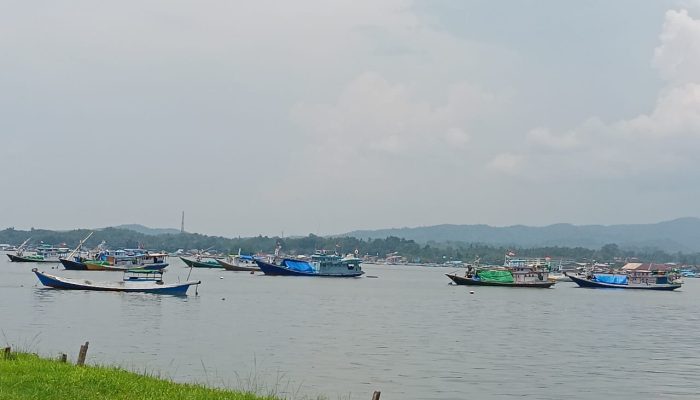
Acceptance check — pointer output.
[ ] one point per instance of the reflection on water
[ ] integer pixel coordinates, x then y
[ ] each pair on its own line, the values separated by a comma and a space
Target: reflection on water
408, 333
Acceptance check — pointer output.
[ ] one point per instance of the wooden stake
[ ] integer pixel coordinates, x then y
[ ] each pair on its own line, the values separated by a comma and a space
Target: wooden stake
376, 395
83, 353
63, 358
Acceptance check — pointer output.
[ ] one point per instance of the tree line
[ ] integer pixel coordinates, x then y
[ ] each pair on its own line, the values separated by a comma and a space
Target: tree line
431, 252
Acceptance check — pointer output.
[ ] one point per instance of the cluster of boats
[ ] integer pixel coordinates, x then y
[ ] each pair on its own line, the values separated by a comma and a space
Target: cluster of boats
319, 264
143, 270
534, 274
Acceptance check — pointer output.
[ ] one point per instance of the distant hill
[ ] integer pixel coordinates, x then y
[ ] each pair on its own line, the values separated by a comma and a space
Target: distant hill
146, 230
681, 234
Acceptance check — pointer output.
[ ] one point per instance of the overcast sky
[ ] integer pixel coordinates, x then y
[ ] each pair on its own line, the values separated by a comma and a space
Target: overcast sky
263, 117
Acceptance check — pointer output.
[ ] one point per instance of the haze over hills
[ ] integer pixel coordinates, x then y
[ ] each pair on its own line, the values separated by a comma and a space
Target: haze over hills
146, 230
681, 234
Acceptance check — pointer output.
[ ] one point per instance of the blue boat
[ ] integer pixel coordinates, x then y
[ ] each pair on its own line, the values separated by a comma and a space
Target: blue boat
329, 265
145, 281
623, 281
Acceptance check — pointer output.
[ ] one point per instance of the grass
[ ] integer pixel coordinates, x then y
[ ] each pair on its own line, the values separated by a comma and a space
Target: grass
27, 376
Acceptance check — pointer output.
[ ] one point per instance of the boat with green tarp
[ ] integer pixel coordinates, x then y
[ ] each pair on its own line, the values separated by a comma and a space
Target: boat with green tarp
520, 276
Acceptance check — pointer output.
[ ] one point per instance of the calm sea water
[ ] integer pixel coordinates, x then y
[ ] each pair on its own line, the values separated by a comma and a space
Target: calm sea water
408, 333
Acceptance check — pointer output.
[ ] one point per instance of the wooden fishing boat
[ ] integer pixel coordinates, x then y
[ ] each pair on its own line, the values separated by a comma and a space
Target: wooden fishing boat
463, 280
122, 260
31, 258
93, 265
76, 263
523, 276
239, 263
132, 282
321, 264
625, 281
73, 261
43, 254
202, 263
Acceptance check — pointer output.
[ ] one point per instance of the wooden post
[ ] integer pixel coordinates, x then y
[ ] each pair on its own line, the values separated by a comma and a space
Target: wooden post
83, 353
63, 357
8, 349
376, 395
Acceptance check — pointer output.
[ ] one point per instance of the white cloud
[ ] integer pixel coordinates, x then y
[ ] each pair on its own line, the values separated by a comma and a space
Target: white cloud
507, 163
664, 141
373, 115
678, 56
542, 137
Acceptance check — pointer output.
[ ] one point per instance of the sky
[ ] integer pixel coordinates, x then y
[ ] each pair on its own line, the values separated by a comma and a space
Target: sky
316, 116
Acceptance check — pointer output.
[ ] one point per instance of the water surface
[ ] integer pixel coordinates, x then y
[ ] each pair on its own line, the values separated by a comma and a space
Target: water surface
408, 333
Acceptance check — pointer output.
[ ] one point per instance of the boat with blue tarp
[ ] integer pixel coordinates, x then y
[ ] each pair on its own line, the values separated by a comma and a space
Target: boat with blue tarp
320, 264
641, 276
145, 281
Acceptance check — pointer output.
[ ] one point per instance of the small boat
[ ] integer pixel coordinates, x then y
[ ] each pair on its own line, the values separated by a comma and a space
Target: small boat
201, 263
239, 263
134, 281
518, 276
321, 264
642, 280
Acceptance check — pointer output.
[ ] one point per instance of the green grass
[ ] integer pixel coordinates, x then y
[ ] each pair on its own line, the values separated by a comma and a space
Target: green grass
27, 376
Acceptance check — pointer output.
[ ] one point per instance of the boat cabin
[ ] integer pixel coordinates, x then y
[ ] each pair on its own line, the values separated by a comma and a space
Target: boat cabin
650, 274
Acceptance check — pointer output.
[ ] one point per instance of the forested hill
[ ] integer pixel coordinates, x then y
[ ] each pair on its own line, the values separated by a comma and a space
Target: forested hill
413, 251
146, 230
672, 236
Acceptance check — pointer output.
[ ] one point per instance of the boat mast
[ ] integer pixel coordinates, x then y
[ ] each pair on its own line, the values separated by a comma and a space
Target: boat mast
79, 246
20, 249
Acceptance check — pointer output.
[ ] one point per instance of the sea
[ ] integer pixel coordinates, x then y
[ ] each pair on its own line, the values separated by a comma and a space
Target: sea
402, 330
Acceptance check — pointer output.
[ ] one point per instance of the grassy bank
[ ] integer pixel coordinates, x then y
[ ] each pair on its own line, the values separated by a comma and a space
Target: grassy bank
27, 376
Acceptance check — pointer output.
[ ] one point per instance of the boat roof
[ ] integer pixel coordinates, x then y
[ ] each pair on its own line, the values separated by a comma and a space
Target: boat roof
648, 267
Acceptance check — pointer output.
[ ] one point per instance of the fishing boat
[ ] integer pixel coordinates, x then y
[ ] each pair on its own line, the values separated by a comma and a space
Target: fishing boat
239, 263
133, 281
43, 254
633, 276
122, 260
75, 259
321, 264
201, 262
516, 276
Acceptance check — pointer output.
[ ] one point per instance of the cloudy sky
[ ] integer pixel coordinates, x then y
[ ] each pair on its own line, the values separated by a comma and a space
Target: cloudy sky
263, 117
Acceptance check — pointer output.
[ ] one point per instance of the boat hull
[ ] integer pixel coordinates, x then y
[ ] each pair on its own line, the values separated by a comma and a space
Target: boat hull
462, 280
274, 269
73, 265
199, 264
16, 258
142, 286
587, 283
231, 267
95, 266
